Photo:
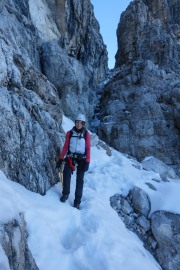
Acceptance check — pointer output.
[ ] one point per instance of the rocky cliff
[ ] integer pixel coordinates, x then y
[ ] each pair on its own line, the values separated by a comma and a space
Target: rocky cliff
140, 105
52, 55
149, 30
158, 231
13, 240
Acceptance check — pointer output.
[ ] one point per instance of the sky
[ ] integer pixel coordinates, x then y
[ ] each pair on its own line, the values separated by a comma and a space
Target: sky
94, 237
108, 12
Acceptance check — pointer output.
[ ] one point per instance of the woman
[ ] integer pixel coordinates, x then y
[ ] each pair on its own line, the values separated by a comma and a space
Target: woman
76, 151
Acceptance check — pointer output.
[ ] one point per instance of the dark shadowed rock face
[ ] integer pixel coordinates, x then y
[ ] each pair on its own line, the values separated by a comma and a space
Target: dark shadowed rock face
149, 30
139, 108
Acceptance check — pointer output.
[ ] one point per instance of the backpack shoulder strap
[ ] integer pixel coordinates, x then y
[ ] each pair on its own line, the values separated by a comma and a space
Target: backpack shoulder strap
71, 133
85, 133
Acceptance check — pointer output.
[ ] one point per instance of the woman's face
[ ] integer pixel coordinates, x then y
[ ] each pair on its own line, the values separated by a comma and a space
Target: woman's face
78, 124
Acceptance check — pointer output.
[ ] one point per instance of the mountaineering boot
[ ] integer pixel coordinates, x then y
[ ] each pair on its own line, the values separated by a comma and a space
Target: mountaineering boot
64, 198
76, 205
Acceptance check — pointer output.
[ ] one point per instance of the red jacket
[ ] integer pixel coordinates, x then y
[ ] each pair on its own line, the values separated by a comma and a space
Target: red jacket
66, 146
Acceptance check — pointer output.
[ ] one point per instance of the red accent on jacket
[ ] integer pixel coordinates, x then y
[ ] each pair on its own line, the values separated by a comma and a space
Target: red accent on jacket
66, 146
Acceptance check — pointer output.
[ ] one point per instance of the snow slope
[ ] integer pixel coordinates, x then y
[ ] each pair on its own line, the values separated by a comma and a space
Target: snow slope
62, 237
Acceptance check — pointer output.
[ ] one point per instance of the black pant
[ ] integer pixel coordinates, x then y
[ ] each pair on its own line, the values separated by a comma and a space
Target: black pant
79, 179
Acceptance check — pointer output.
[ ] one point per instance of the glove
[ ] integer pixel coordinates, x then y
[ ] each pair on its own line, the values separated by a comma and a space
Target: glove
59, 163
86, 166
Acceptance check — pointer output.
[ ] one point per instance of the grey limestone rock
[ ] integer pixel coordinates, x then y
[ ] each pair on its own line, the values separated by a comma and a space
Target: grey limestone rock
13, 239
149, 30
31, 114
144, 223
166, 230
94, 139
105, 147
160, 233
80, 35
156, 165
126, 207
71, 79
30, 133
139, 107
52, 55
140, 201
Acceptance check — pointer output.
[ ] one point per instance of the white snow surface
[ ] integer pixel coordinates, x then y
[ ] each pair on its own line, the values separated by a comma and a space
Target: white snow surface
94, 237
